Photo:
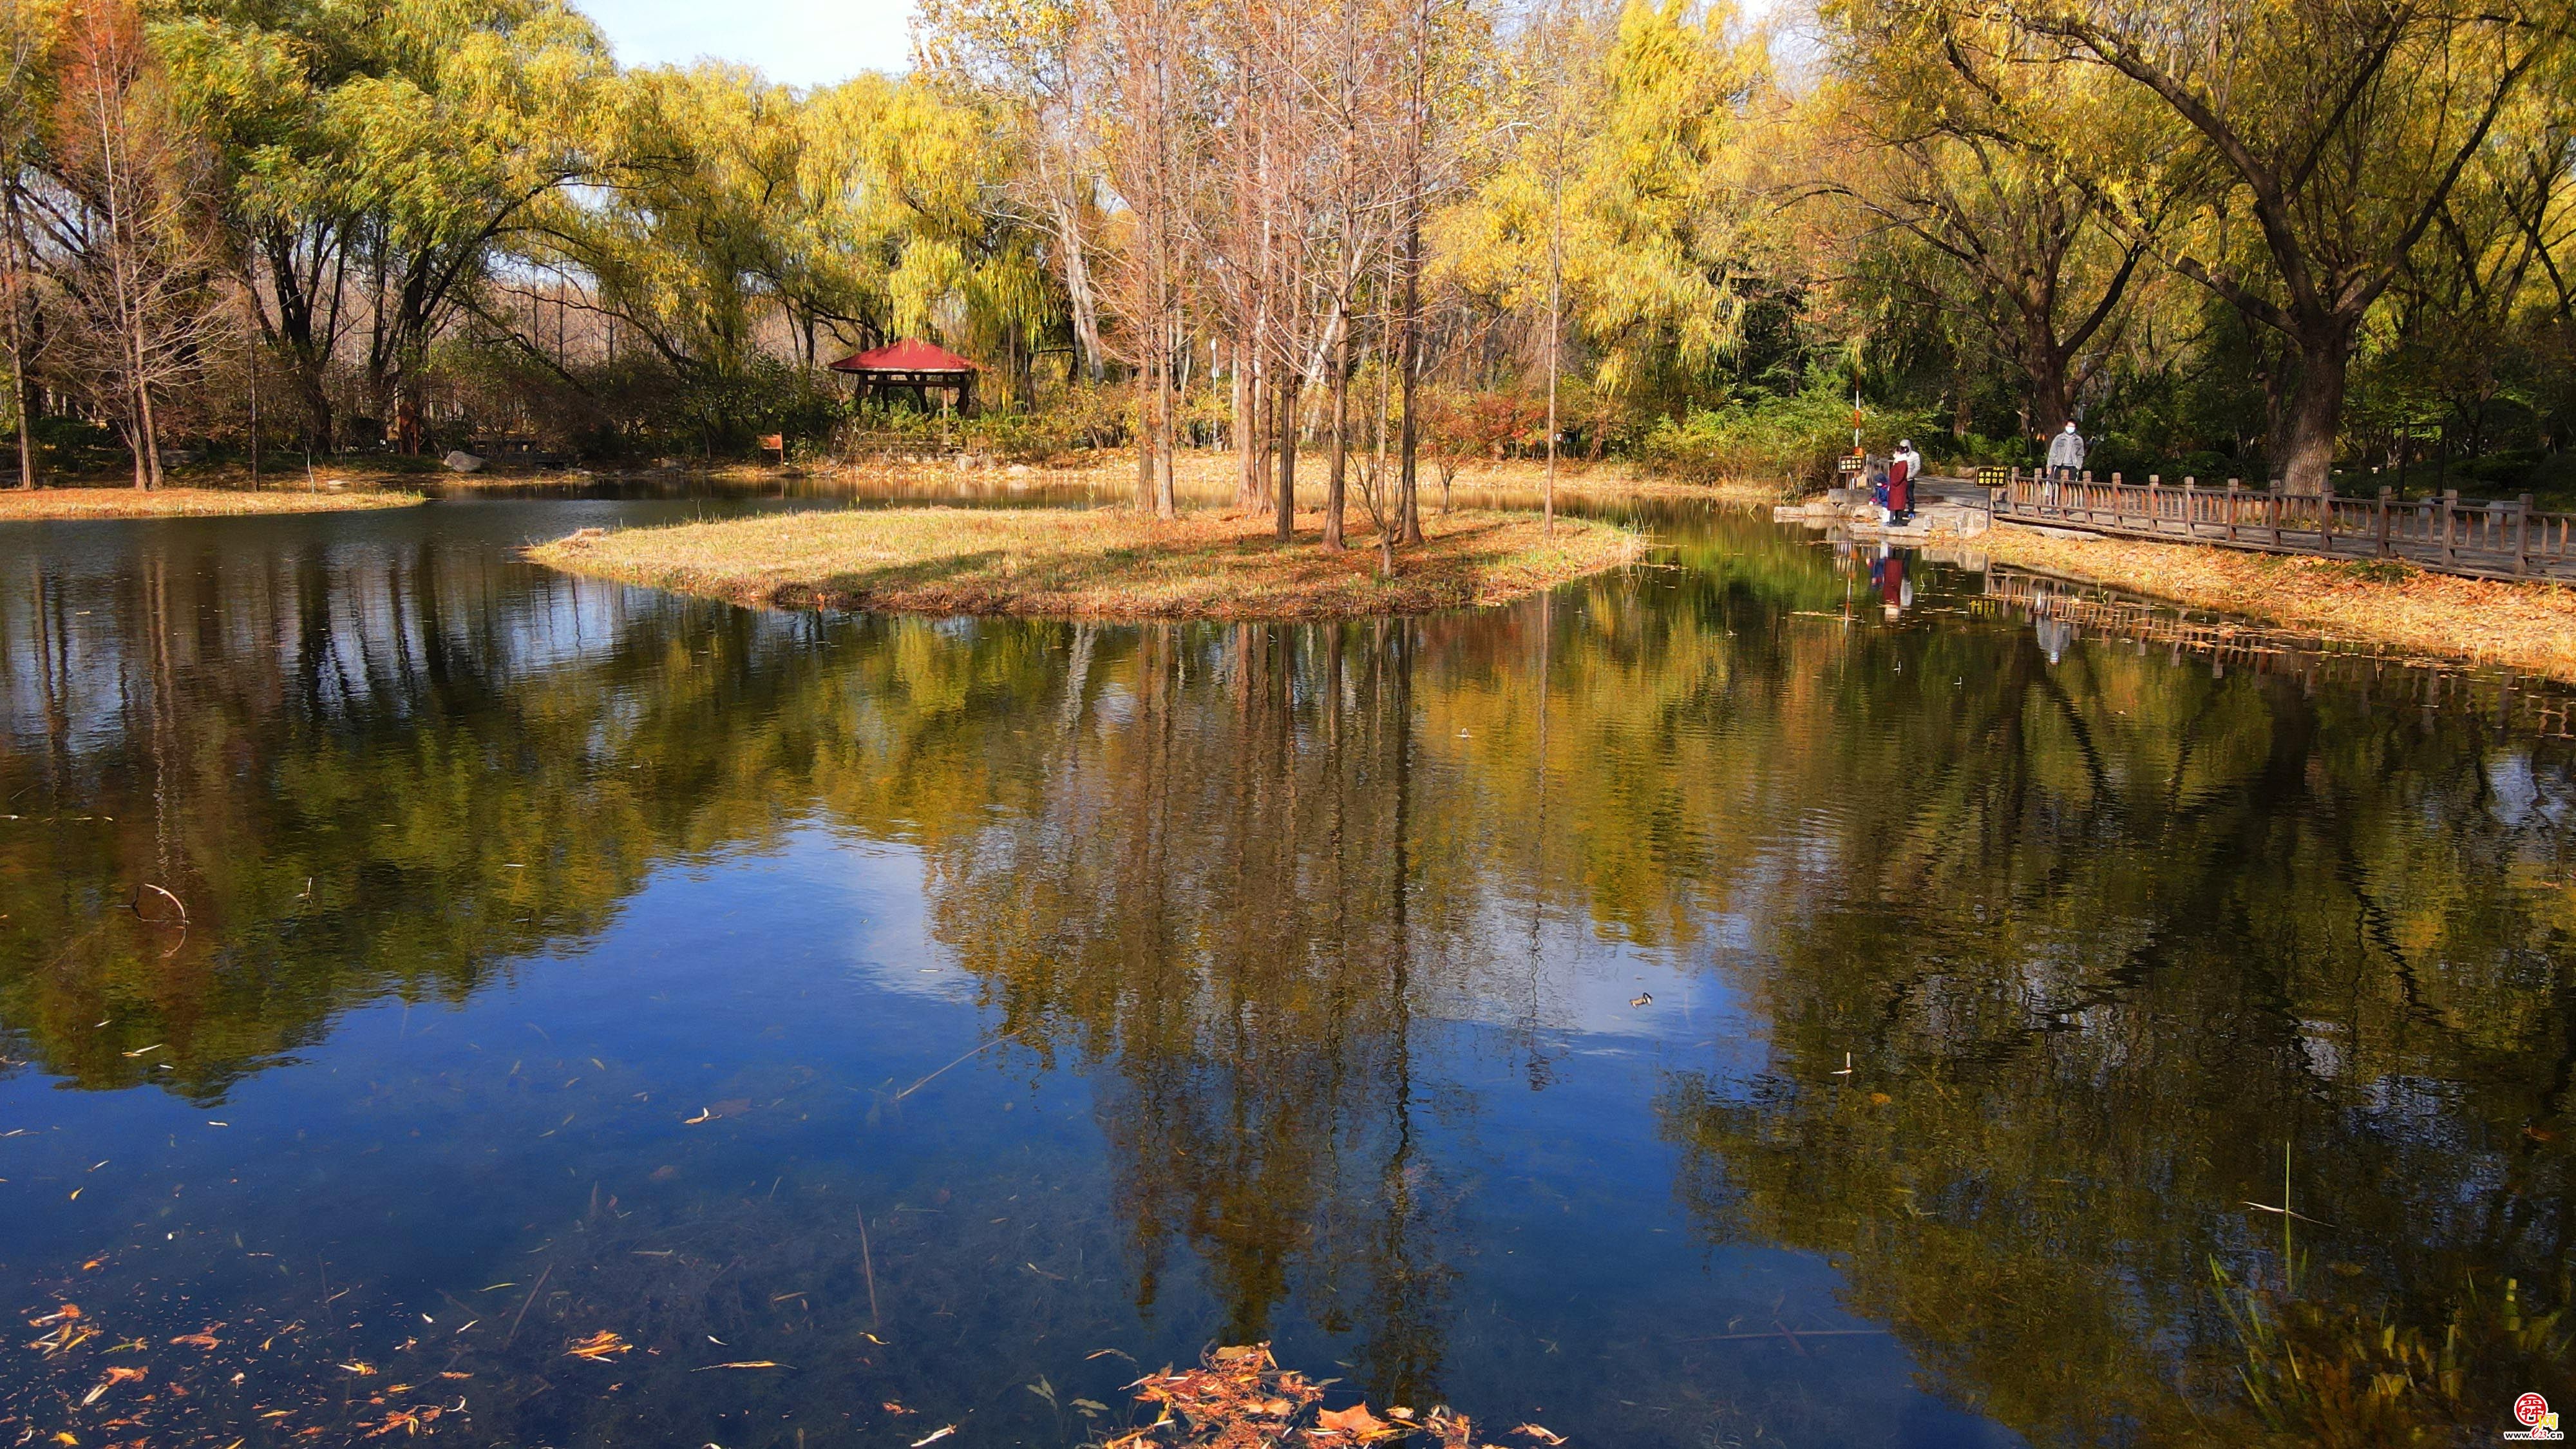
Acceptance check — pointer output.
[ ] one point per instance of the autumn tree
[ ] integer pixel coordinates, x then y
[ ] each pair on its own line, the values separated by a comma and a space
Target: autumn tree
2338, 134
124, 221
21, 51
1964, 178
1150, 138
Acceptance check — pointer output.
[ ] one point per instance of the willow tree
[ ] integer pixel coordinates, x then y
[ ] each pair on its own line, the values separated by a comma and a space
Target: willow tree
848, 214
1032, 61
2338, 133
1630, 209
1963, 179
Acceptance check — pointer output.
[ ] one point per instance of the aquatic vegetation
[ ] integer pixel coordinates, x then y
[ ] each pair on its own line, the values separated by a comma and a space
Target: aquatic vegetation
2338, 1376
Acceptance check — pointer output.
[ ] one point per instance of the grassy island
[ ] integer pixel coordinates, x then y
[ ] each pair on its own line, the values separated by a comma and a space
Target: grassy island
21, 505
2525, 626
1098, 563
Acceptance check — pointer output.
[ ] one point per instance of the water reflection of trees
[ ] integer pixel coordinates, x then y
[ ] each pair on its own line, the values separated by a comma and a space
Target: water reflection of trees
2104, 933
1212, 881
2128, 931
362, 772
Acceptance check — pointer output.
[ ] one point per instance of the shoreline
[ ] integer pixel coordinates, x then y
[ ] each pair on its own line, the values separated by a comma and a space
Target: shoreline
2529, 627
61, 505
1098, 563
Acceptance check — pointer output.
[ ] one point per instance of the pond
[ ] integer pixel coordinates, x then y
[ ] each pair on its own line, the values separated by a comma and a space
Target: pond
1699, 1007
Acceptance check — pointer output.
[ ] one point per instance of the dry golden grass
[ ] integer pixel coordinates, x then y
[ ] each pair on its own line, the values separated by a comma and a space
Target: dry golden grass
1097, 563
2528, 627
127, 502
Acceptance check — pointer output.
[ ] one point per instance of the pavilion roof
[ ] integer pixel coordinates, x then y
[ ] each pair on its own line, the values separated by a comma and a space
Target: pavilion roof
909, 355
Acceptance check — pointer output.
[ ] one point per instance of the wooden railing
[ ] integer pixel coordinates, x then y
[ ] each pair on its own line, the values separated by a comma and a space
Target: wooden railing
2449, 533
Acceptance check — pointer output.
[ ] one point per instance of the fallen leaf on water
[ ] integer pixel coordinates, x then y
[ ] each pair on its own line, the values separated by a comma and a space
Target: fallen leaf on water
756, 1363
64, 1314
114, 1377
891, 1407
1880, 1099
599, 1346
197, 1340
361, 1368
1355, 1421
934, 1436
703, 1116
1541, 1433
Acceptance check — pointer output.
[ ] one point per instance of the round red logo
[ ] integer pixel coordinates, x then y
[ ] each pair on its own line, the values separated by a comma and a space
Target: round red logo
2530, 1408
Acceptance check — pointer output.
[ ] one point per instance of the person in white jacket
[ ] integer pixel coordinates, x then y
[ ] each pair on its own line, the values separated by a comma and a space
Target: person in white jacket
2066, 452
2065, 459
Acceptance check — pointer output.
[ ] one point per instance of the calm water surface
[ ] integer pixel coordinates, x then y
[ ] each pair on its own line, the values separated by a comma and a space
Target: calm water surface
1692, 1009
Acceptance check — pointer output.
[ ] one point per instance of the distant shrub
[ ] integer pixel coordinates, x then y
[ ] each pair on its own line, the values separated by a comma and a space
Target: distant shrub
1798, 436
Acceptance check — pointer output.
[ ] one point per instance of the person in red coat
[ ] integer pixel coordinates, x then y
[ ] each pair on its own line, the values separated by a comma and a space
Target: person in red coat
1900, 484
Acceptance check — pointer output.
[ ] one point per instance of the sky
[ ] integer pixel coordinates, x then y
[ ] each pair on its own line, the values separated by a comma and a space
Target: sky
795, 42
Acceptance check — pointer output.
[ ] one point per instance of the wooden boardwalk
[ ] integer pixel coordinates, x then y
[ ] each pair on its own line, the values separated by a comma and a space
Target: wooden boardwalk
2449, 534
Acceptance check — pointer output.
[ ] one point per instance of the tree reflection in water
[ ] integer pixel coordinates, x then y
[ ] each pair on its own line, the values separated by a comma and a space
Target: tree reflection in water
2100, 934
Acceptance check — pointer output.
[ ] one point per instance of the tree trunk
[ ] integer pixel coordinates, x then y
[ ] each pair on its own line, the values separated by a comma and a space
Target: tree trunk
1334, 486
1408, 509
23, 399
1284, 399
1166, 405
2306, 455
1145, 437
2052, 404
1247, 430
1265, 442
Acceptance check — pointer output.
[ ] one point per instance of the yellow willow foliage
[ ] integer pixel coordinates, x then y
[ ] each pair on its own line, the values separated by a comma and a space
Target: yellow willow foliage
862, 202
1636, 159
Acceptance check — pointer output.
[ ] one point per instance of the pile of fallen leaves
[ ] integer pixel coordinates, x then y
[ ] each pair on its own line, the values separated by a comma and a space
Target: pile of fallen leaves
1239, 1398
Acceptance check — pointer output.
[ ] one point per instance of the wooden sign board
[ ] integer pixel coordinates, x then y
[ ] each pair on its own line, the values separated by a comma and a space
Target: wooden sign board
773, 441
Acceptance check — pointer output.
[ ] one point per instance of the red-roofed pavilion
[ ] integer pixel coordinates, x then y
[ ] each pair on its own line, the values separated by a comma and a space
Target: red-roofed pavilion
914, 365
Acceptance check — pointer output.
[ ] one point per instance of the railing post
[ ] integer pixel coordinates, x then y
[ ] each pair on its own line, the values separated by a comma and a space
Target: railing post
2325, 519
2190, 506
2384, 495
2272, 509
2233, 485
2155, 503
2522, 536
2450, 526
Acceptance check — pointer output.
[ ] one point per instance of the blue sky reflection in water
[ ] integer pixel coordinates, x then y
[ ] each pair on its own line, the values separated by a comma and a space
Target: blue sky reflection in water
1292, 976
